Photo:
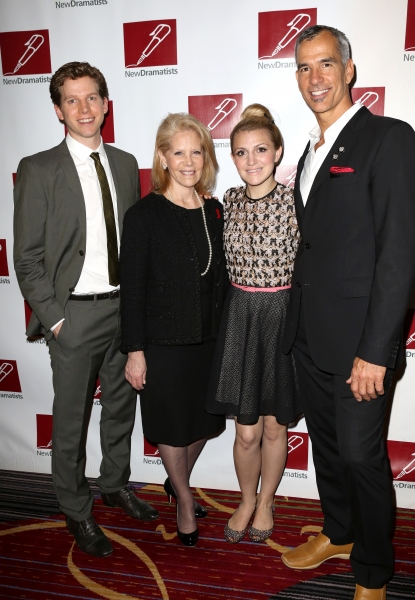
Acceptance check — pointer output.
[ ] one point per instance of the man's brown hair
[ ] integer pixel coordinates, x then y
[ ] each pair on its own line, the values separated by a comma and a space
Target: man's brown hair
76, 70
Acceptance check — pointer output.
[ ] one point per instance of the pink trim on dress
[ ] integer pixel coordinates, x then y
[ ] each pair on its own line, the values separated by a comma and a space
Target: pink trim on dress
246, 288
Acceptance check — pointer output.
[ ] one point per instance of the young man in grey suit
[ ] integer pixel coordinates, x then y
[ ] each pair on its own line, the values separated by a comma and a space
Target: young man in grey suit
70, 203
352, 280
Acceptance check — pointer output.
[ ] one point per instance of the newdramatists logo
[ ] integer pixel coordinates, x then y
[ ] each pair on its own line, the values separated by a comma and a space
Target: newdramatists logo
285, 174
278, 32
220, 114
402, 460
4, 266
152, 452
409, 333
410, 30
373, 98
9, 380
25, 53
297, 459
44, 425
97, 393
145, 182
150, 44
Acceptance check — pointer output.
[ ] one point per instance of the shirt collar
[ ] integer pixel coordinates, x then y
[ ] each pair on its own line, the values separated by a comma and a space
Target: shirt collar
333, 131
82, 152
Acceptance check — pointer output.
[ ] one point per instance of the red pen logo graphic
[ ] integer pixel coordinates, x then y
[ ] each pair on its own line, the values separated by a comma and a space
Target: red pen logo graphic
372, 98
44, 424
97, 393
219, 113
297, 452
107, 127
145, 182
402, 460
9, 376
150, 449
278, 31
150, 43
286, 174
410, 27
4, 267
25, 52
409, 329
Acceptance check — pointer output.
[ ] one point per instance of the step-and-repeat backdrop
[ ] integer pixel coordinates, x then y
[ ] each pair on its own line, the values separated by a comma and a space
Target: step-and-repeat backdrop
211, 59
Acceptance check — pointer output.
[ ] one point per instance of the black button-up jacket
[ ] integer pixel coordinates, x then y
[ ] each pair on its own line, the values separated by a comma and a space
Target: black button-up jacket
160, 274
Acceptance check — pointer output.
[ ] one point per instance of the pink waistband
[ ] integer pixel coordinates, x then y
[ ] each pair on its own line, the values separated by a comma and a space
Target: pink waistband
246, 288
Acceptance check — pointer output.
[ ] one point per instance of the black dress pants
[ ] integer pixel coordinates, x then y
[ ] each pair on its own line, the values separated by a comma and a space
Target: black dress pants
352, 468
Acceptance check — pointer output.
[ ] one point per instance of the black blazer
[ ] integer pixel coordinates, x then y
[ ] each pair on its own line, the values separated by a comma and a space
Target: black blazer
160, 275
355, 266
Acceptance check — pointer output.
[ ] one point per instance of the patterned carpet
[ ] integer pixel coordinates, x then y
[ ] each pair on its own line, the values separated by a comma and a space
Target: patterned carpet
38, 560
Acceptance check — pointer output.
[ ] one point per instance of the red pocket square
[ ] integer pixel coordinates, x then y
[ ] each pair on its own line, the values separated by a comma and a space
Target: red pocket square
341, 170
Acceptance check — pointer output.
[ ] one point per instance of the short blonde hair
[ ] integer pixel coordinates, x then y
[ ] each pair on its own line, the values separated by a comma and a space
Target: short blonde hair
177, 123
254, 117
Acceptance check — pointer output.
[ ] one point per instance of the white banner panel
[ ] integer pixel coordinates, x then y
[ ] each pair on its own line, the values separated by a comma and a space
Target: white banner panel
213, 59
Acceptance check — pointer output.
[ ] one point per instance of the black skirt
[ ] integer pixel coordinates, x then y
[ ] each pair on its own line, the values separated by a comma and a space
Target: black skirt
172, 402
250, 375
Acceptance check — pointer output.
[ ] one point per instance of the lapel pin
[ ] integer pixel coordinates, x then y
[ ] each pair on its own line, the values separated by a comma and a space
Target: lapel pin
335, 156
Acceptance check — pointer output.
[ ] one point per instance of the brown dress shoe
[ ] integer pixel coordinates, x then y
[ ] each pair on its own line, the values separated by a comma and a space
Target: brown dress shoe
362, 593
313, 553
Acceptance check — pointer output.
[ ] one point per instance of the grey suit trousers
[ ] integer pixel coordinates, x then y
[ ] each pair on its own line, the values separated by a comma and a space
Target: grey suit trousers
88, 345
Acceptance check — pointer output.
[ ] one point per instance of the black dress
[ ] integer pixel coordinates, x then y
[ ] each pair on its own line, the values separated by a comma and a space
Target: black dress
172, 401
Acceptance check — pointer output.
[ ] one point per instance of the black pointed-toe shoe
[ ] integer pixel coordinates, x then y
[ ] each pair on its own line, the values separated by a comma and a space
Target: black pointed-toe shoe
133, 506
188, 539
200, 512
89, 537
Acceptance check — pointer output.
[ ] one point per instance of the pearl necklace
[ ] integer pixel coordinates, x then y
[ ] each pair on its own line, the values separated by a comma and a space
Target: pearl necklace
206, 230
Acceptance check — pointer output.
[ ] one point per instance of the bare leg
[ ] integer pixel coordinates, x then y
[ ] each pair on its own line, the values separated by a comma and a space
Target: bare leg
247, 457
274, 456
175, 460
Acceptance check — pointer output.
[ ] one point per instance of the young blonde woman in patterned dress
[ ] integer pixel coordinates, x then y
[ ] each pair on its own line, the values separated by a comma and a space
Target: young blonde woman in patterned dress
251, 379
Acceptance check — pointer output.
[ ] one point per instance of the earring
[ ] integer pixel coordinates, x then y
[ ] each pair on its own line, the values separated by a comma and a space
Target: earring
164, 166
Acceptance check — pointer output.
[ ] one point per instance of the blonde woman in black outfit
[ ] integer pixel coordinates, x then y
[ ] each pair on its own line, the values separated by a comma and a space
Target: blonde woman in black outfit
174, 281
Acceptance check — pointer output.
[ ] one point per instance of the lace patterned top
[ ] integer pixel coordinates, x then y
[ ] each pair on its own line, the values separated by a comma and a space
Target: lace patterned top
261, 237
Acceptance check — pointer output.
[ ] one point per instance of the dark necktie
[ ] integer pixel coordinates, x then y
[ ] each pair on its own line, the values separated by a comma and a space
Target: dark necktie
112, 246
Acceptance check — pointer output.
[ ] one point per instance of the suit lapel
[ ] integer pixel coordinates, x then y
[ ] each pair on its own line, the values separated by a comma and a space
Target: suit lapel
298, 199
117, 183
68, 166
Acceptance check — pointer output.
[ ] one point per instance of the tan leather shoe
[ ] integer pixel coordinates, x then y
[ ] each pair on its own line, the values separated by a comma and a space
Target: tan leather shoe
313, 553
362, 593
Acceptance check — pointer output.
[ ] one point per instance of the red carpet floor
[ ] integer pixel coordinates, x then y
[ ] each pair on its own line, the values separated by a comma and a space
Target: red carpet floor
39, 561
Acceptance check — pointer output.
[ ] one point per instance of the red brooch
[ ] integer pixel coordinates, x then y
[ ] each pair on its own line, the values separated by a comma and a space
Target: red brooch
341, 170
217, 213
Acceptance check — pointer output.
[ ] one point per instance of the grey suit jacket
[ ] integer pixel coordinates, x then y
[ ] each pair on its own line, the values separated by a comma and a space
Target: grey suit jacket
50, 227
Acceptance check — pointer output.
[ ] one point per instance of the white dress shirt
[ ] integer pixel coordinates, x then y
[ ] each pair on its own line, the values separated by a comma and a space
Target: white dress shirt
94, 277
315, 158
